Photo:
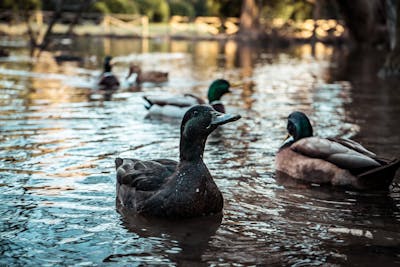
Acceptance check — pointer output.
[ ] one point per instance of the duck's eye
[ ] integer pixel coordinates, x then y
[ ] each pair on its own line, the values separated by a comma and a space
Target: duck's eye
195, 113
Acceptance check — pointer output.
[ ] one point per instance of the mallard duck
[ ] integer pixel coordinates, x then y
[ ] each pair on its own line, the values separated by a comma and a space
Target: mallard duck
166, 188
336, 161
147, 76
176, 106
107, 80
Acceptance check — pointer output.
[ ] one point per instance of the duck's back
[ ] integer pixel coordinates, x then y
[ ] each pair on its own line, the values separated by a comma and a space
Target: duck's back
108, 81
189, 192
336, 151
164, 189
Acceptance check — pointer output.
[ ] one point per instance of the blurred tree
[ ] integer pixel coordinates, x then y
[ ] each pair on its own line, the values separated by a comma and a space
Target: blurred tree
116, 6
365, 19
20, 5
156, 10
391, 66
287, 9
230, 8
37, 38
375, 22
249, 20
181, 8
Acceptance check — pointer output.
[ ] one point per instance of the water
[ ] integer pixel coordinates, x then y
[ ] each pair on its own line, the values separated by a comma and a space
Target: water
59, 142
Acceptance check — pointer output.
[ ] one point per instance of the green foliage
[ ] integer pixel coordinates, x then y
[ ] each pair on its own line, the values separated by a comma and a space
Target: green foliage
181, 8
287, 9
156, 10
20, 5
101, 7
230, 8
116, 6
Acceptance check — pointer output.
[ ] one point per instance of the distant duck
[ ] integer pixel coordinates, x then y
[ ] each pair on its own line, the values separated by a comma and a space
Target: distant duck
108, 81
166, 188
336, 161
147, 76
176, 106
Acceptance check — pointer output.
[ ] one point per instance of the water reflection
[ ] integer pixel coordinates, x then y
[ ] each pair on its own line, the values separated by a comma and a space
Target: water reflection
189, 238
58, 144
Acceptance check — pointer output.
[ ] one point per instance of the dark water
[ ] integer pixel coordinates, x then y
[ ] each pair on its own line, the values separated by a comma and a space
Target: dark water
58, 144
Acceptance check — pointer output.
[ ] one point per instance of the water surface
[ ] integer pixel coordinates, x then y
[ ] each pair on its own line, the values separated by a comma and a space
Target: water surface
59, 141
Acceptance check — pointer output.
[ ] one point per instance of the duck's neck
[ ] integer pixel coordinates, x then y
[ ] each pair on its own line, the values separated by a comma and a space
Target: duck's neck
107, 67
191, 150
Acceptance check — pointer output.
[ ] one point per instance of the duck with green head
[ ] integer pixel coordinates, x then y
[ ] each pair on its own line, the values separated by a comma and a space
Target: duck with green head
176, 106
335, 161
166, 188
107, 80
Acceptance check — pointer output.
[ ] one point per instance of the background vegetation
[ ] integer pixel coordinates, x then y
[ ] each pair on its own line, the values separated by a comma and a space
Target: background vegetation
162, 10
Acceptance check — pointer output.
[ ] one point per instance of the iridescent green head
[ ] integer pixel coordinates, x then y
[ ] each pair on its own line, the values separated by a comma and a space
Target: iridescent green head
299, 126
217, 89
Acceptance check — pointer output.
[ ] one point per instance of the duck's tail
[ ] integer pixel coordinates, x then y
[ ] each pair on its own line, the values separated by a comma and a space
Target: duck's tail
149, 103
381, 177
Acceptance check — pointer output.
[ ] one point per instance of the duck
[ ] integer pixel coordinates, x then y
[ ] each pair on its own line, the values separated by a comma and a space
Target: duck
147, 76
176, 106
107, 80
175, 189
334, 161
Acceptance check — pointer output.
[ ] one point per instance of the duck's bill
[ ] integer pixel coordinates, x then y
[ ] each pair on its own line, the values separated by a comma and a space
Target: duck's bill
288, 139
221, 118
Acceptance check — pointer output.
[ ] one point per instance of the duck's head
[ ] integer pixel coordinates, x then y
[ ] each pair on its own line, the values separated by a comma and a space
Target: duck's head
197, 123
299, 126
217, 89
107, 64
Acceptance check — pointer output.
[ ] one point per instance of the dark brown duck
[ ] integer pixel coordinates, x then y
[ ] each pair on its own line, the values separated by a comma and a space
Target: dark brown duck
166, 188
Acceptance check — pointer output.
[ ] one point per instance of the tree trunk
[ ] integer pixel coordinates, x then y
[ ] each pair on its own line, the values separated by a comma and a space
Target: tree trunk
392, 62
365, 20
249, 20
84, 6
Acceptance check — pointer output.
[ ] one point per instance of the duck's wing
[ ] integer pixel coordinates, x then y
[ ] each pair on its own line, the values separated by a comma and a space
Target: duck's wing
342, 156
199, 100
179, 101
353, 145
144, 175
157, 76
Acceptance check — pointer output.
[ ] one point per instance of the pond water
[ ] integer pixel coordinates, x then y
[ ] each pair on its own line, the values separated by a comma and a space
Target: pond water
59, 142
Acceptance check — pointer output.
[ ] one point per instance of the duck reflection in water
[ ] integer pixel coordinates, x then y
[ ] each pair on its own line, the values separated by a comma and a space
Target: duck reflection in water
192, 235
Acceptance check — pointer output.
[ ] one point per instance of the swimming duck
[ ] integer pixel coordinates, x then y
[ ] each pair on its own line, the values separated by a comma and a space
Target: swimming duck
166, 188
147, 76
108, 81
177, 106
336, 161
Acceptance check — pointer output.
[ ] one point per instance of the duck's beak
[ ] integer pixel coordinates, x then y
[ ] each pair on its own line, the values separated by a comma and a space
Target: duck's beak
288, 139
221, 118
